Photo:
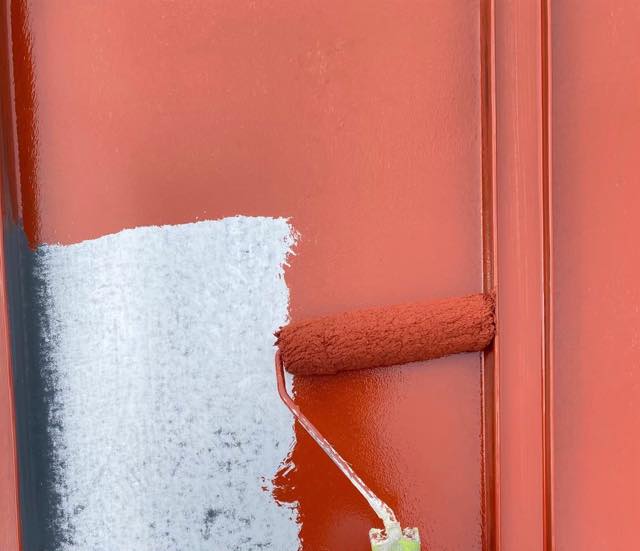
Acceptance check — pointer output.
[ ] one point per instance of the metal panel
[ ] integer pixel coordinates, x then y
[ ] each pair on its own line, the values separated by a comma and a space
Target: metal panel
520, 204
368, 134
596, 117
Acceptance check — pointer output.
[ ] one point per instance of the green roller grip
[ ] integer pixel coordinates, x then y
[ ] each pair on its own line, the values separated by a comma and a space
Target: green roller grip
395, 539
401, 545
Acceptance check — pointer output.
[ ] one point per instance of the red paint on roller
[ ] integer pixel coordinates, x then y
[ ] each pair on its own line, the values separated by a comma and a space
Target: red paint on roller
380, 337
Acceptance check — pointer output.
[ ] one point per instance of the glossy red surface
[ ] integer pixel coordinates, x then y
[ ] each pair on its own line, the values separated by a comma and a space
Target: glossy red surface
596, 122
362, 123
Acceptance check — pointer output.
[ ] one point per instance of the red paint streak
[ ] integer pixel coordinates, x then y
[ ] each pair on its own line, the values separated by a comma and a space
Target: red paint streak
360, 121
23, 126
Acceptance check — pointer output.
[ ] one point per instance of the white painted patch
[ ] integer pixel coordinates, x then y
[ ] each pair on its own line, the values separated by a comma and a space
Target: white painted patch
165, 417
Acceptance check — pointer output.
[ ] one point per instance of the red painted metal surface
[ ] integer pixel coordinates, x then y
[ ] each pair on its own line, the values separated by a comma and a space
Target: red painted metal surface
490, 396
596, 117
363, 124
522, 275
360, 128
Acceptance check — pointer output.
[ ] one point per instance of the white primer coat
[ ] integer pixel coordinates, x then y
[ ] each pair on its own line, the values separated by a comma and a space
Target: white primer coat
165, 419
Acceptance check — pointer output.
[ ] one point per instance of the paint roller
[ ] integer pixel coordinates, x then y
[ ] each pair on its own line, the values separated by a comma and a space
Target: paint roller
380, 338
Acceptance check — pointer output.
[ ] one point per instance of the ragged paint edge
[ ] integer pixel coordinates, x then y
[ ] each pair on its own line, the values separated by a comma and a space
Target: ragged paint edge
67, 264
293, 238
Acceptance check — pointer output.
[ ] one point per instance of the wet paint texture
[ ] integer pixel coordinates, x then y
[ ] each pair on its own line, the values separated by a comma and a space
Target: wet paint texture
164, 423
361, 121
382, 337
